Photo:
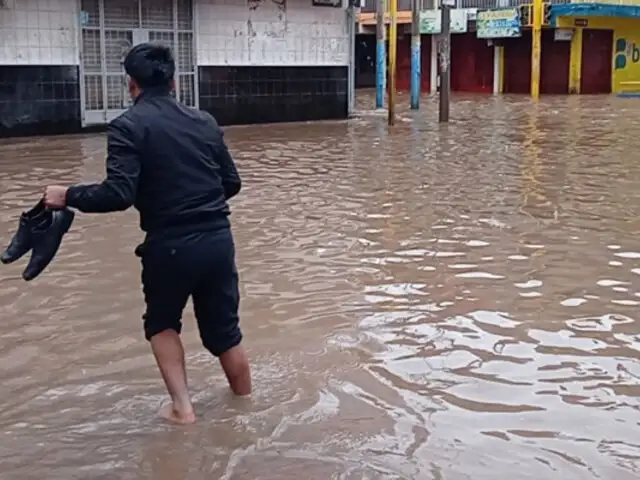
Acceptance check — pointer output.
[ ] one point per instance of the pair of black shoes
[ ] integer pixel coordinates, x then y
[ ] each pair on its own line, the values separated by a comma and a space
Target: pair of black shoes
41, 230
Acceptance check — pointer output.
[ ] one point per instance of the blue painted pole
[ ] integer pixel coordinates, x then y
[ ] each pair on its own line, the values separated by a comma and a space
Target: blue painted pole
415, 54
381, 54
381, 73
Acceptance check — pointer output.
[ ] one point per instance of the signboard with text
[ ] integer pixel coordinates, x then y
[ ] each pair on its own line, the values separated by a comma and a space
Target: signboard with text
431, 21
498, 24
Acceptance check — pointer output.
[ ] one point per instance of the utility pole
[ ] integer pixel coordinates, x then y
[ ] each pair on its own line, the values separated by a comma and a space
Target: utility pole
381, 54
536, 47
445, 60
393, 54
415, 54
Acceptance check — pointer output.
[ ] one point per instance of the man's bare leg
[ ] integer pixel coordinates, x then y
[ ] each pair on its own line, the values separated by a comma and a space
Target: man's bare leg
236, 367
169, 353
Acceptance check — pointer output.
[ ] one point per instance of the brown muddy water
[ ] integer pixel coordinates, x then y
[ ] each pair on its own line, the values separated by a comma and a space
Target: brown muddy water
447, 303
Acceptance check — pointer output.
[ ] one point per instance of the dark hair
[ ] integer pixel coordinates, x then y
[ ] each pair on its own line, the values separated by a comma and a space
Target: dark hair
150, 65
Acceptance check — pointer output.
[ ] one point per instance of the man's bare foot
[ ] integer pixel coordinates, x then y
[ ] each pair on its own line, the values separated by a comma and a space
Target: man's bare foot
168, 412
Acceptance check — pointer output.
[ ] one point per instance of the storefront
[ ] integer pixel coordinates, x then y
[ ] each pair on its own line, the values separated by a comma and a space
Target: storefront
605, 54
502, 29
472, 58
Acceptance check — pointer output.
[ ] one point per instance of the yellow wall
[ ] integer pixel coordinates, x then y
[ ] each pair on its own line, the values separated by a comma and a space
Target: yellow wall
575, 62
626, 31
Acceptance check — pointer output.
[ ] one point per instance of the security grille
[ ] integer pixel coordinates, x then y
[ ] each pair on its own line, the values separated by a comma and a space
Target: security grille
110, 28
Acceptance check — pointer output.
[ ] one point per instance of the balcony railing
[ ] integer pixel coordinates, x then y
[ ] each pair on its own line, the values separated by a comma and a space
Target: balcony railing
405, 5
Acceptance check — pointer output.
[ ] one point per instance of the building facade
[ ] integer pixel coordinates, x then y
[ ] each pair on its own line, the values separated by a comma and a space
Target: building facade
243, 61
589, 48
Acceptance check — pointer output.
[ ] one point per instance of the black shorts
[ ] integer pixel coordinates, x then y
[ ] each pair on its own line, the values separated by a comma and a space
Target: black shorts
201, 266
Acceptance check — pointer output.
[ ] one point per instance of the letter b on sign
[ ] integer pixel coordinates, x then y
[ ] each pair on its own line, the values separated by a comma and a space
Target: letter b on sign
635, 53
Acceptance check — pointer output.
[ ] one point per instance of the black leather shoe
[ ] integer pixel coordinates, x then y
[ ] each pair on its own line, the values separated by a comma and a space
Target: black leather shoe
22, 241
46, 239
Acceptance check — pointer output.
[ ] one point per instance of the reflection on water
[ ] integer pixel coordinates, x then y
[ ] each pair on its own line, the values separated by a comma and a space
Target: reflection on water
430, 302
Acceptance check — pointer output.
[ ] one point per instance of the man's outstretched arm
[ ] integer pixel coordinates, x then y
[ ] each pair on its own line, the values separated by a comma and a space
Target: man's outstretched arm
118, 190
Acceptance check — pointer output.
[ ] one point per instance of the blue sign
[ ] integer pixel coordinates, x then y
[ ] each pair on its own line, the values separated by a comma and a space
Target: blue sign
498, 24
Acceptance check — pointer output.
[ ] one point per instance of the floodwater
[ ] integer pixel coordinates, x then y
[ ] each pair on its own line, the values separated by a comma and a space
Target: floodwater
426, 302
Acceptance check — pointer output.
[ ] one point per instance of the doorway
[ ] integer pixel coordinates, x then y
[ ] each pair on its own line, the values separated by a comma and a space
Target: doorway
597, 51
109, 29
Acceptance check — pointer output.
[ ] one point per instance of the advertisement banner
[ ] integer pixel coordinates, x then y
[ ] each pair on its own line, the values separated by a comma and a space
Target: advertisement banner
498, 24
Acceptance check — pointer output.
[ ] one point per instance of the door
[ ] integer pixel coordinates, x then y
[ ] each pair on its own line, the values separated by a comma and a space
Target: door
517, 64
109, 29
597, 51
403, 64
471, 64
365, 61
554, 64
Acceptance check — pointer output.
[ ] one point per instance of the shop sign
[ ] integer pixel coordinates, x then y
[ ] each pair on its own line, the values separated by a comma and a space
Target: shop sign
503, 23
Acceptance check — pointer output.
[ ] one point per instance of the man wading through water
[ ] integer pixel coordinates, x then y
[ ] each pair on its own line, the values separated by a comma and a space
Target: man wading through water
172, 164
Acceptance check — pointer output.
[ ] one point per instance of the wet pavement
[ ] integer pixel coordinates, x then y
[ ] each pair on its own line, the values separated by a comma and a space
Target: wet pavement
446, 303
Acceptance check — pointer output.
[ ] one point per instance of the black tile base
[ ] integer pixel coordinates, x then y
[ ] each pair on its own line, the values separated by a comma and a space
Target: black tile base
245, 95
39, 100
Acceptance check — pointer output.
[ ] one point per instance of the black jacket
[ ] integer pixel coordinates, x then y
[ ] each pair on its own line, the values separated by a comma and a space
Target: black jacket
171, 163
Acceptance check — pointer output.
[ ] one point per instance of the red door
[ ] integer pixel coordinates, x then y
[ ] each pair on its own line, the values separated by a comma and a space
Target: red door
517, 64
403, 64
471, 64
597, 51
554, 64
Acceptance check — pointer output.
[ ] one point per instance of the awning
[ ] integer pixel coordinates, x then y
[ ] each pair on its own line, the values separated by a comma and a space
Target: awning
593, 10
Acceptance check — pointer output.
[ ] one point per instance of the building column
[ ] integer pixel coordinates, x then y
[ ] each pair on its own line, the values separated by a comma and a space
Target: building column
351, 74
498, 69
433, 79
575, 62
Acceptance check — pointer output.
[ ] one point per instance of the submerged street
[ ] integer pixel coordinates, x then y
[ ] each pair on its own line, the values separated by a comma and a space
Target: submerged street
422, 302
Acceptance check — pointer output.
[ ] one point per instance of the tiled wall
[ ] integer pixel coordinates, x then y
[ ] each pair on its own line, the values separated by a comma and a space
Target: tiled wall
258, 61
242, 95
37, 100
39, 32
39, 77
266, 61
260, 32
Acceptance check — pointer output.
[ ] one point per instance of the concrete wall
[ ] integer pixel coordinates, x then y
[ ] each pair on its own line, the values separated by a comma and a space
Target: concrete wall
262, 33
39, 32
257, 61
44, 32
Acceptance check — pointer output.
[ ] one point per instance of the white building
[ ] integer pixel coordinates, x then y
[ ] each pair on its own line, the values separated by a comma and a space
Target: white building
245, 61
